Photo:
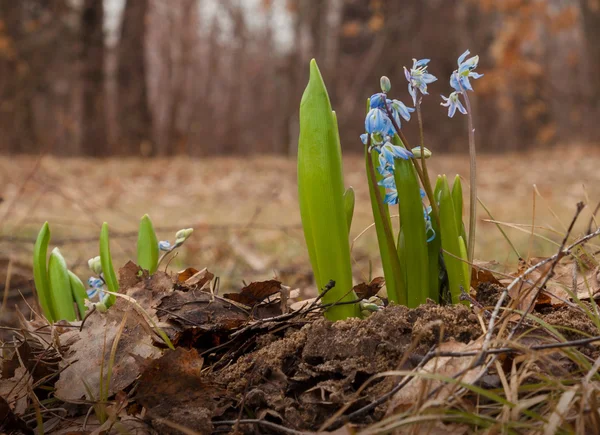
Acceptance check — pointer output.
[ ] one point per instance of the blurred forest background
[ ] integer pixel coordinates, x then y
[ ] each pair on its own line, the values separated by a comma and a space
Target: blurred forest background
206, 77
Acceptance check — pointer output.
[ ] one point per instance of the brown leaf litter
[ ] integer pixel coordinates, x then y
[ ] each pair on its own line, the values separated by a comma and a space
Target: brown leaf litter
235, 359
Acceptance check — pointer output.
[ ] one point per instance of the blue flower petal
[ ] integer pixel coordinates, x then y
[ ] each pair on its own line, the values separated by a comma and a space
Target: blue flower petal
429, 78
377, 101
463, 56
420, 63
388, 183
377, 122
391, 198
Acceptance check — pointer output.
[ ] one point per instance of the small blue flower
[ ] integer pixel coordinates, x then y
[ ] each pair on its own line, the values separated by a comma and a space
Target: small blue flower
459, 80
377, 122
377, 101
164, 245
96, 287
387, 154
399, 109
95, 282
390, 152
452, 103
418, 78
388, 183
391, 197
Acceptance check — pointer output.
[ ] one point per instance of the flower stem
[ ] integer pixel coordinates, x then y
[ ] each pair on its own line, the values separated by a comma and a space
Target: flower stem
472, 181
424, 180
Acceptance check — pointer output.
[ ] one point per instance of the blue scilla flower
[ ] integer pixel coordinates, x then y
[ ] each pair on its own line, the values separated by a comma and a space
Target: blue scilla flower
391, 194
418, 78
164, 245
459, 80
377, 122
398, 109
452, 103
96, 287
429, 231
377, 101
388, 152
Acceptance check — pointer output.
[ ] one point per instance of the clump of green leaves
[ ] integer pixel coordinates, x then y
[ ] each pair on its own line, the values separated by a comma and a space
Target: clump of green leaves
61, 293
60, 290
429, 257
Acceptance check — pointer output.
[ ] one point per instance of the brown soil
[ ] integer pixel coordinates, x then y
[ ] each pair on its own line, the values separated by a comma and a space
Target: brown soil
301, 379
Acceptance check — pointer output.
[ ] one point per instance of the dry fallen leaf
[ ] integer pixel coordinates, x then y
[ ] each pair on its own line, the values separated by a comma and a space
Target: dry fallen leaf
184, 275
570, 277
173, 388
480, 273
419, 387
255, 292
199, 279
90, 348
365, 291
15, 390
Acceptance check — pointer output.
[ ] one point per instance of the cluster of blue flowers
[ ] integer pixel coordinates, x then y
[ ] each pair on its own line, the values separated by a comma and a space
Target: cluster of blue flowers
459, 80
384, 120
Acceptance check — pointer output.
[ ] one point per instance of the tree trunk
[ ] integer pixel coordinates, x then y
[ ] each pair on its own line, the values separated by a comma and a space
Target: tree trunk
93, 123
135, 117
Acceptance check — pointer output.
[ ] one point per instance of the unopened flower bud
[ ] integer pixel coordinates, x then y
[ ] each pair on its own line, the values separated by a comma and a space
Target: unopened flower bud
182, 235
95, 265
164, 245
417, 152
385, 84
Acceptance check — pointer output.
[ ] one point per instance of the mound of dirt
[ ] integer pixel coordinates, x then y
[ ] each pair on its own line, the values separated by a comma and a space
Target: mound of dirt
301, 379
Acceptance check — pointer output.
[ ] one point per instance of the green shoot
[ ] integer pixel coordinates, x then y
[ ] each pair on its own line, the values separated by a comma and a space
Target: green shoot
40, 272
147, 246
107, 267
321, 197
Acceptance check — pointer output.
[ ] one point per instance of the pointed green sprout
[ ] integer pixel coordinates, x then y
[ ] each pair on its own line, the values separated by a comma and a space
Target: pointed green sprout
107, 267
413, 230
349, 201
451, 243
60, 287
466, 268
40, 272
147, 246
78, 293
457, 198
321, 197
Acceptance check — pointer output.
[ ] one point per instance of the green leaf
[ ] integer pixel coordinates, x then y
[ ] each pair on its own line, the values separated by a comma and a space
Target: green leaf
60, 287
40, 272
349, 200
78, 293
147, 246
434, 249
321, 197
107, 267
450, 242
392, 267
457, 198
413, 228
466, 268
